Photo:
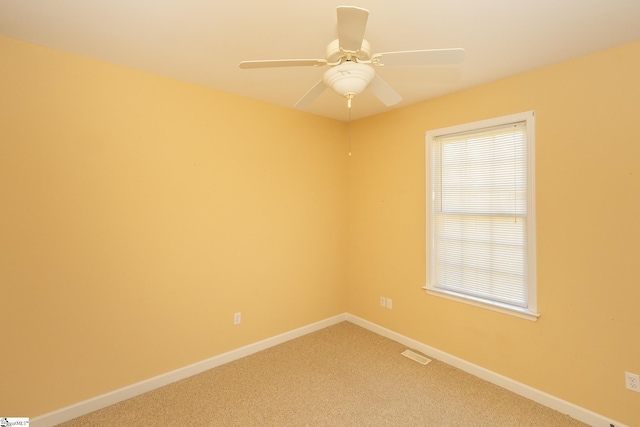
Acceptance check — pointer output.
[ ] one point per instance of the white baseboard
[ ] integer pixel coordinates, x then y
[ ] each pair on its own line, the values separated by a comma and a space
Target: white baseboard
562, 406
99, 402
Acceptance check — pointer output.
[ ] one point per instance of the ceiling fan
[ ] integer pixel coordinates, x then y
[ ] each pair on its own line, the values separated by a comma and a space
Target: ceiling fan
352, 64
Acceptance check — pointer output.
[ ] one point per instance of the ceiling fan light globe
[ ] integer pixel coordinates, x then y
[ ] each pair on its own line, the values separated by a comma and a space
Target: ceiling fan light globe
349, 78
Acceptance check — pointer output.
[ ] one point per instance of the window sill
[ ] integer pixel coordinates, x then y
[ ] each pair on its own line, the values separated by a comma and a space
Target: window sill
490, 305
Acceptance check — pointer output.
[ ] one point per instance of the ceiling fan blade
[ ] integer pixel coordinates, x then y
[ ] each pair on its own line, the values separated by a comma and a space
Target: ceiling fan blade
419, 57
352, 22
384, 92
270, 63
311, 96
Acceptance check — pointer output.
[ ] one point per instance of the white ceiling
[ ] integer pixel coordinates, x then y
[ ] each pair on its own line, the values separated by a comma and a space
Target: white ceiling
202, 41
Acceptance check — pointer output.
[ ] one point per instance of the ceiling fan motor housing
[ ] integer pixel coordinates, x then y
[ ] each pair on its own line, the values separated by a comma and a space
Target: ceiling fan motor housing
349, 78
336, 55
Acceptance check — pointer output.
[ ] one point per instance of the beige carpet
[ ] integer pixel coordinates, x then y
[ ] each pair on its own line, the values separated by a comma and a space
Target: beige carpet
343, 375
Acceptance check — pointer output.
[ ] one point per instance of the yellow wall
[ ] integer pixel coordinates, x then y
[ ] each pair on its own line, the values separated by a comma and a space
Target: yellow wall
138, 213
588, 234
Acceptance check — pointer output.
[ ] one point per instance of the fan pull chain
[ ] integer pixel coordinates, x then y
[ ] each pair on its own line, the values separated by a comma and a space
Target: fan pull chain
349, 122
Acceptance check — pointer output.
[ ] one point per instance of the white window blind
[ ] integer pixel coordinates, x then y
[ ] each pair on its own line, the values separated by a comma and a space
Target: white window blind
479, 219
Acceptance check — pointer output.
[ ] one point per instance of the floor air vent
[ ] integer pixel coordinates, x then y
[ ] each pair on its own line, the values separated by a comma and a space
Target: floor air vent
415, 356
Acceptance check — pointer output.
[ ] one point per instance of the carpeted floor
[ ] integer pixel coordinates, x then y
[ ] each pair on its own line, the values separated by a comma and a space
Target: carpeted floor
343, 375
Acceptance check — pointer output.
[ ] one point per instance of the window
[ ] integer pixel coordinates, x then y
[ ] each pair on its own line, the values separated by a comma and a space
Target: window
481, 214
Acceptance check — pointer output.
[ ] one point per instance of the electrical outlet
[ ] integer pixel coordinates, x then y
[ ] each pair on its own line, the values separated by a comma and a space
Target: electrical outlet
389, 303
632, 381
383, 302
237, 317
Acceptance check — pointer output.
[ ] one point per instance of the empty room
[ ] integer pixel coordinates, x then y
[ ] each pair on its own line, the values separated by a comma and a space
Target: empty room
209, 198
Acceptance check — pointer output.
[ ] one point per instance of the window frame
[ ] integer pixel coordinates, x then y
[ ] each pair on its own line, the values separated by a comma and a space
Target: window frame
529, 312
